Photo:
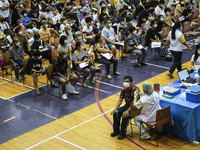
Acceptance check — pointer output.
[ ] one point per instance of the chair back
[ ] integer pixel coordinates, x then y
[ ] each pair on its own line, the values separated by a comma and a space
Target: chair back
172, 11
133, 111
56, 42
177, 17
163, 116
6, 60
54, 54
25, 64
195, 14
122, 35
50, 72
165, 31
187, 26
198, 22
125, 41
142, 25
145, 40
133, 13
138, 21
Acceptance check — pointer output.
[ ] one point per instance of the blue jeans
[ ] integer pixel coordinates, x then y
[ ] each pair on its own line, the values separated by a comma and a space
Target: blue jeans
20, 64
107, 63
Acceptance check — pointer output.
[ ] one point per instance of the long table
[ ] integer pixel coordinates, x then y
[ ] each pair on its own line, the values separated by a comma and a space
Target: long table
186, 115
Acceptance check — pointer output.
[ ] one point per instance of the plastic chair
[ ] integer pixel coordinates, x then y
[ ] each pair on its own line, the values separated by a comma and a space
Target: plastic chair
172, 11
165, 31
195, 15
162, 117
188, 31
54, 54
56, 42
198, 22
6, 64
122, 35
142, 25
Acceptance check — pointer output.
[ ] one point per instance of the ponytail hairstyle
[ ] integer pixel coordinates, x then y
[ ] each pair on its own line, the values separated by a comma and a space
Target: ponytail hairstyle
176, 26
196, 53
152, 23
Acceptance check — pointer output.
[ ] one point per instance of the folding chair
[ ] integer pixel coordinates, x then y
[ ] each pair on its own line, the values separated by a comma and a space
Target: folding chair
165, 31
142, 25
162, 117
198, 22
56, 42
172, 11
6, 65
195, 15
54, 54
188, 31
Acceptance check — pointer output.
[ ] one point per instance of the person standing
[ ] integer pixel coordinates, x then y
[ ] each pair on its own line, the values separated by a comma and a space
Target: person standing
177, 40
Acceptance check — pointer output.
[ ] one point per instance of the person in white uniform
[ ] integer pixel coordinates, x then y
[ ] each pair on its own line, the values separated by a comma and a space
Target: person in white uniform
149, 104
195, 59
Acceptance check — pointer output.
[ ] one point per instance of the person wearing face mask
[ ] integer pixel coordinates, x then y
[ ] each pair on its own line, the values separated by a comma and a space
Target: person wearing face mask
86, 8
150, 105
5, 27
160, 23
176, 40
102, 14
143, 14
67, 32
193, 5
4, 9
16, 55
80, 56
160, 10
167, 19
64, 46
33, 14
134, 45
129, 92
48, 14
14, 16
195, 59
120, 5
180, 7
148, 22
121, 19
52, 7
127, 26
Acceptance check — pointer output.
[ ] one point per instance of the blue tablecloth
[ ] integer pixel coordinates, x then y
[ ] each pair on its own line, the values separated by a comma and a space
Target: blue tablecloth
186, 116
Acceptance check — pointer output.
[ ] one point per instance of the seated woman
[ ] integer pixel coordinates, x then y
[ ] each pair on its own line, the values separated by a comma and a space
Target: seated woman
160, 25
134, 45
38, 44
195, 60
148, 22
80, 56
63, 46
180, 8
153, 36
102, 48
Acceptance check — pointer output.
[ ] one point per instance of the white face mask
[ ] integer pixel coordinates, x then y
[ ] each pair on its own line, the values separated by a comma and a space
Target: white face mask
161, 19
168, 13
182, 3
199, 52
81, 47
126, 84
150, 18
40, 57
181, 28
46, 26
20, 33
21, 6
18, 43
155, 25
21, 24
135, 32
25, 15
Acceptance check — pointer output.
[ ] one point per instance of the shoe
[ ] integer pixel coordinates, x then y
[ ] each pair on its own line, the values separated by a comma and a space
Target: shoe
114, 134
139, 65
168, 58
91, 80
117, 73
170, 75
84, 84
64, 97
120, 137
145, 137
37, 92
97, 68
109, 77
143, 63
17, 80
8, 73
74, 92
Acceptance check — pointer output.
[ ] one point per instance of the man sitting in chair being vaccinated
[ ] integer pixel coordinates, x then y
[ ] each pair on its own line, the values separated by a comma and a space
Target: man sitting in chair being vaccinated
128, 93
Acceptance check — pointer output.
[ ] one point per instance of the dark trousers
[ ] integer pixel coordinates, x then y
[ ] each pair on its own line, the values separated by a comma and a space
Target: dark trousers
116, 120
177, 61
107, 63
20, 64
91, 41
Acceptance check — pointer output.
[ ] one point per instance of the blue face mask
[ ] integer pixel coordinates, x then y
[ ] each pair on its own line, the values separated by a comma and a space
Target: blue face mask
65, 42
87, 5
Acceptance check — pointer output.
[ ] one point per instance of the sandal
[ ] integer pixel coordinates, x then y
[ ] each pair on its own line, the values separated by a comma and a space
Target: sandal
8, 73
91, 80
54, 85
37, 92
84, 84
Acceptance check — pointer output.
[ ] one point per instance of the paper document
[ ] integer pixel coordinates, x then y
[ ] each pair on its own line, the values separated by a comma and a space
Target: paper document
196, 75
83, 65
45, 49
89, 52
31, 40
140, 46
9, 38
155, 44
107, 55
118, 43
181, 18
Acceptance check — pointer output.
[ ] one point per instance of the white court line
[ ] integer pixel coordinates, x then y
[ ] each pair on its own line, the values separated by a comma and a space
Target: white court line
158, 66
69, 129
3, 98
70, 143
3, 82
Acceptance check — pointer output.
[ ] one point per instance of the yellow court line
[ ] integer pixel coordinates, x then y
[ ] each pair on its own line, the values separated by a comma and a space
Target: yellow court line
45, 114
9, 119
10, 100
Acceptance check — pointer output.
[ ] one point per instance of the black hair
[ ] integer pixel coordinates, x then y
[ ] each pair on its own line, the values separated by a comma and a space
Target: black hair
36, 36
62, 39
17, 30
88, 19
131, 29
148, 14
125, 7
84, 14
196, 52
106, 21
23, 11
186, 4
97, 37
102, 9
121, 10
162, 1
176, 26
167, 9
61, 5
129, 18
152, 22
129, 77
102, 3
37, 53
147, 5
33, 7
159, 16
69, 3
78, 44
12, 6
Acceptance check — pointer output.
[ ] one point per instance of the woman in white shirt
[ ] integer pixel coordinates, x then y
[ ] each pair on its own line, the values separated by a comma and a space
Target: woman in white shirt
63, 45
195, 60
177, 40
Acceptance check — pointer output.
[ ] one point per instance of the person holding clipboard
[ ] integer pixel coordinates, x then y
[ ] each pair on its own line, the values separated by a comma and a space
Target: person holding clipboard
177, 40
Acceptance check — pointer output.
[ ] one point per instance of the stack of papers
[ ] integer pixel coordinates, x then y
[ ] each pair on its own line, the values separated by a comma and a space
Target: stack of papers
108, 56
83, 65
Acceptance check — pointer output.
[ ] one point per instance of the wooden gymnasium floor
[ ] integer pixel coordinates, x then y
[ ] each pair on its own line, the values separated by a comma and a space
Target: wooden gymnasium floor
44, 122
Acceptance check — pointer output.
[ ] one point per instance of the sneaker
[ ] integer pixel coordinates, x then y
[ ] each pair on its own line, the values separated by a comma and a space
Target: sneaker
74, 92
170, 75
97, 68
16, 80
120, 137
91, 80
109, 77
117, 73
139, 65
143, 63
114, 134
64, 97
145, 137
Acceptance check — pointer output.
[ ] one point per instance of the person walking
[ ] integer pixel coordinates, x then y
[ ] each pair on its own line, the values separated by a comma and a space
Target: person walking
177, 40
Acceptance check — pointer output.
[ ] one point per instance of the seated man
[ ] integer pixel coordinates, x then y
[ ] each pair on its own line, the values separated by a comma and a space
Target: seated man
149, 104
61, 75
121, 19
128, 93
160, 9
143, 14
16, 55
127, 26
34, 68
110, 37
134, 45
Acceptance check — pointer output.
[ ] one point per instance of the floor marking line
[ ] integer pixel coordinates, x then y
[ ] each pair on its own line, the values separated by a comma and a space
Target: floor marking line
25, 106
45, 114
70, 143
9, 119
3, 82
3, 98
68, 129
10, 100
158, 66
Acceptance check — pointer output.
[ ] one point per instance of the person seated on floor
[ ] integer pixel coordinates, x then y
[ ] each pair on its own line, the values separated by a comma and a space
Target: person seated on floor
61, 75
195, 59
149, 104
127, 26
102, 48
80, 56
16, 55
128, 93
34, 68
134, 45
